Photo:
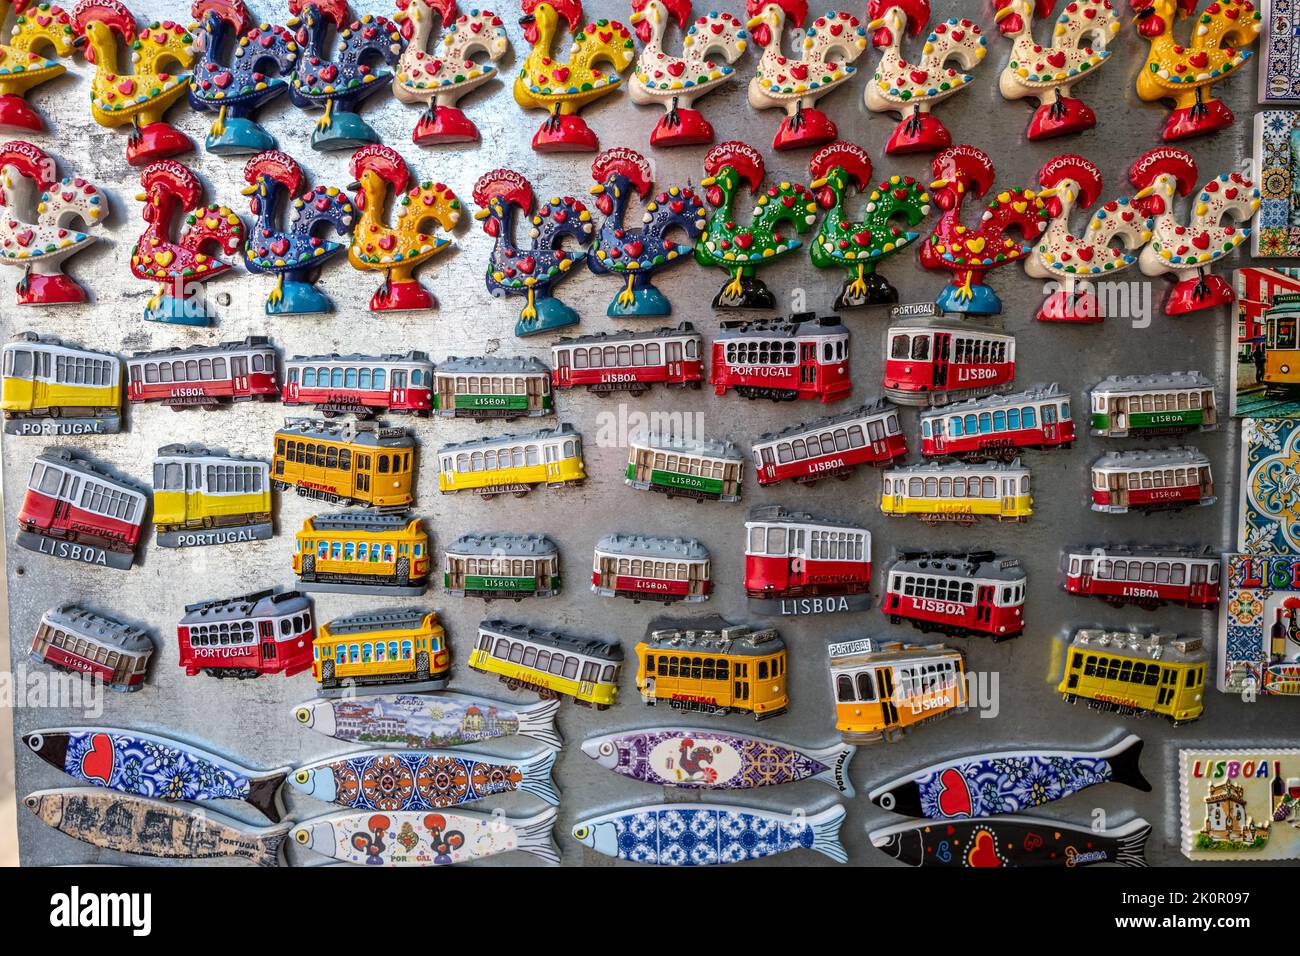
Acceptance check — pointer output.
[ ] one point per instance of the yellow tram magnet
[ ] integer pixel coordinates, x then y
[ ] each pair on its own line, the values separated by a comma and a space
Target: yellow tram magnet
714, 670
406, 646
885, 688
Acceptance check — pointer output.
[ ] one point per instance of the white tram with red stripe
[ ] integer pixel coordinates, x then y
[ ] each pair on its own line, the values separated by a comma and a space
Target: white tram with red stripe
942, 361
831, 447
959, 594
630, 361
999, 426
1147, 577
71, 500
782, 360
792, 554
206, 375
363, 385
1152, 480
645, 568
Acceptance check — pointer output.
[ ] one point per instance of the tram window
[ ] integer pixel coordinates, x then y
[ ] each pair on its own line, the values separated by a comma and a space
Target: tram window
1013, 419
844, 689
1090, 666
866, 693
921, 348
1030, 418
898, 349
571, 668
1065, 411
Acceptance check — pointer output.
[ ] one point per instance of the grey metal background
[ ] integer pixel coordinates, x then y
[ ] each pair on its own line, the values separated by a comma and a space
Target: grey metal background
252, 721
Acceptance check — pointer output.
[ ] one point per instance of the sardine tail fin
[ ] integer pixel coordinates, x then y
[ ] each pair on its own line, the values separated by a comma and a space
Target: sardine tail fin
536, 835
269, 846
537, 779
836, 761
538, 721
1132, 845
264, 794
1124, 765
826, 833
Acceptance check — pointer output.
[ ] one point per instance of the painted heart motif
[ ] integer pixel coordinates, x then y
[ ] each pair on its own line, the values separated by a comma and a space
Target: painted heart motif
561, 75
97, 762
475, 27
1200, 59
1057, 59
1202, 241
975, 245
387, 242
799, 71
223, 78
676, 205
1032, 842
716, 28
954, 798
280, 246
862, 238
983, 852
328, 72
677, 68
745, 240
918, 76
837, 29
1230, 192
634, 249
25, 238
1085, 253
1127, 215
164, 258
958, 35
126, 87
527, 264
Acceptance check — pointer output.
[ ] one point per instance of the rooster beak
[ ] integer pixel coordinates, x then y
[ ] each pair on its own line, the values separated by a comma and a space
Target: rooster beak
353, 186
1144, 193
817, 183
939, 184
876, 24
636, 17
141, 197
753, 22
1004, 13
79, 42
708, 181
482, 213
249, 190
399, 16
596, 190
1047, 193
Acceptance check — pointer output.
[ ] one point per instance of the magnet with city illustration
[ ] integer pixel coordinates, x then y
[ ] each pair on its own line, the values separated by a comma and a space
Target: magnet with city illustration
204, 497
1279, 55
801, 564
52, 387
1259, 629
1266, 367
1239, 804
1013, 841
42, 35
1268, 516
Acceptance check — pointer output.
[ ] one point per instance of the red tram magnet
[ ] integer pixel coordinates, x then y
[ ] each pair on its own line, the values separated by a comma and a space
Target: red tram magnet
998, 427
830, 447
1148, 577
797, 564
645, 568
977, 593
933, 361
208, 376
630, 361
1167, 479
782, 360
266, 632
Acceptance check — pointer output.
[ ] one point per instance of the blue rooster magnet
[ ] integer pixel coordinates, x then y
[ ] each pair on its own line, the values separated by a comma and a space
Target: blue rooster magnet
501, 194
294, 255
636, 254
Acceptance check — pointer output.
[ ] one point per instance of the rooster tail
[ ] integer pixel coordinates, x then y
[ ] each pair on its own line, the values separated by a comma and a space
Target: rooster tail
565, 217
611, 43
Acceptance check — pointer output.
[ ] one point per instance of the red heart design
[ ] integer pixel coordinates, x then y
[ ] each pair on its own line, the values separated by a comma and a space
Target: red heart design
1032, 842
223, 79
954, 798
97, 762
677, 67
958, 35
799, 71
475, 27
983, 851
1199, 59
676, 205
561, 75
328, 72
527, 264
387, 242
1202, 241
605, 37
745, 240
862, 238
716, 28
281, 246
1057, 59
837, 29
919, 76
1231, 13
1230, 192
126, 87
634, 249
787, 202
1127, 215
25, 237
1085, 253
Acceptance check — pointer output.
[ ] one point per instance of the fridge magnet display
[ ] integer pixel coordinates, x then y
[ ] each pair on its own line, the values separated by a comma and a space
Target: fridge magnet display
148, 765
405, 646
675, 83
1013, 841
1047, 74
824, 61
876, 698
742, 669
1279, 61
986, 785
635, 254
758, 358
293, 255
54, 388
206, 376
676, 834
704, 469
487, 387
424, 779
555, 453
1268, 519
1186, 251
672, 356
1277, 158
1135, 673
696, 759
203, 497
1239, 804
998, 427
1163, 479
911, 89
363, 552
360, 385
181, 268
1184, 75
959, 492
857, 246
140, 825
42, 34
159, 54
978, 593
1268, 314
1161, 403
830, 447
44, 219
502, 566
549, 663
375, 464
75, 510
799, 564
740, 250
502, 195
647, 568
1146, 576
440, 76
562, 89
240, 66
1259, 630
428, 721
72, 639
265, 632
933, 361
382, 175
420, 838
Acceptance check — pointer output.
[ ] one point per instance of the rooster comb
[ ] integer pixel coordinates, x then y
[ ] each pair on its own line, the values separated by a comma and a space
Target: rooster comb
1042, 8
968, 162
571, 10
233, 12
174, 177
741, 157
625, 162
1083, 172
853, 159
111, 13
382, 160
336, 11
1185, 7
505, 184
1162, 161
281, 167
917, 12
29, 160
796, 11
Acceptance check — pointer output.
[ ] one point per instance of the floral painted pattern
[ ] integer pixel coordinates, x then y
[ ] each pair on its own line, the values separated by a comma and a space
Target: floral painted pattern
149, 768
1007, 784
704, 837
1270, 508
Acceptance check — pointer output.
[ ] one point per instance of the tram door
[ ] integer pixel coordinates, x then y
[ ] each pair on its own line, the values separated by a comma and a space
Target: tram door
696, 573
1049, 419
808, 364
456, 569
1119, 415
239, 372
1085, 576
942, 343
797, 555
673, 357
984, 604
398, 387
1206, 485
266, 632
885, 689
562, 366
1008, 496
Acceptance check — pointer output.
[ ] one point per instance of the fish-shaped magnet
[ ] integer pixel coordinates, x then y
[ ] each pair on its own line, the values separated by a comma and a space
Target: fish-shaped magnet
418, 838
674, 834
423, 779
151, 766
427, 721
1013, 841
1009, 782
131, 824
692, 758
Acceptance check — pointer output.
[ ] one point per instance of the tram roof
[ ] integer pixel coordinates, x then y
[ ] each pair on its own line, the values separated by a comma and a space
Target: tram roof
560, 431
1151, 457
957, 467
647, 546
587, 646
800, 324
880, 406
1156, 380
238, 345
1157, 646
738, 641
353, 432
195, 450
356, 358
769, 514
701, 447
53, 342
244, 605
367, 519
493, 365
629, 335
360, 623
869, 650
75, 618
946, 325
1148, 551
64, 458
504, 543
975, 564
1033, 394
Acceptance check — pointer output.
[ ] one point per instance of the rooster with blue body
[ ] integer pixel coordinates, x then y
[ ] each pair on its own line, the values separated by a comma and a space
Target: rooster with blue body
294, 256
501, 195
636, 254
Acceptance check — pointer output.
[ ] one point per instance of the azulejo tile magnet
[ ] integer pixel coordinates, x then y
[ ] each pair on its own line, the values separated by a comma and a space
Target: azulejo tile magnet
933, 361
1079, 36
984, 593
205, 376
552, 457
635, 254
505, 565
711, 667
42, 34
1259, 631
440, 76
1148, 576
757, 359
203, 497
375, 463
73, 639
240, 65
1277, 160
247, 636
502, 195
1239, 804
957, 492
339, 86
1184, 74
1013, 841
180, 267
600, 53
1000, 426
810, 451
911, 89
549, 663
487, 387
1155, 479
671, 356
1132, 672
361, 385
367, 551
703, 469
1267, 511
647, 568
159, 53
675, 83
875, 698
802, 564
53, 387
44, 219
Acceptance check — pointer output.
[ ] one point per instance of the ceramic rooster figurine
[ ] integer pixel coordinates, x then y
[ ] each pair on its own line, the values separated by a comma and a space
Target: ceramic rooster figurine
1183, 74
340, 85
838, 171
241, 65
1185, 252
438, 78
911, 89
826, 53
969, 253
1069, 183
677, 82
636, 254
41, 33
545, 83
181, 267
294, 255
1048, 73
729, 169
398, 249
142, 96
501, 195
43, 220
